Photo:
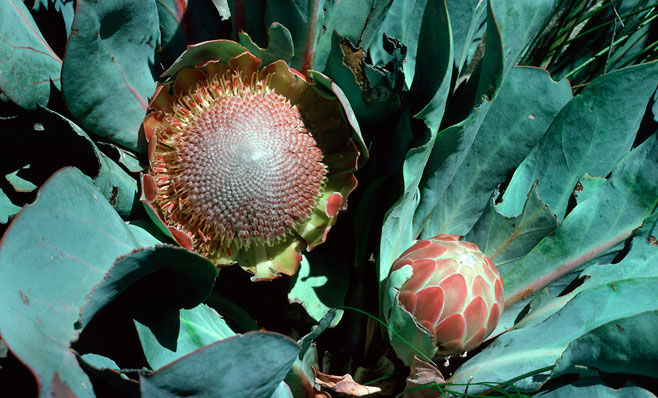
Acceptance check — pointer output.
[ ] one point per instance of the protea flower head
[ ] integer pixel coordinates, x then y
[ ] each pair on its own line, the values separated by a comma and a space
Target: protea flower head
248, 164
446, 297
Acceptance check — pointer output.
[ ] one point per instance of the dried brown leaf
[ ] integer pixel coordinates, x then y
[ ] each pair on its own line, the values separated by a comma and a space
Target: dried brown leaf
423, 373
343, 385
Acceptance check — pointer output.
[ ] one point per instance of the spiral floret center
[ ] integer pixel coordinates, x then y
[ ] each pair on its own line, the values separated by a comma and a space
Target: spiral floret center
241, 165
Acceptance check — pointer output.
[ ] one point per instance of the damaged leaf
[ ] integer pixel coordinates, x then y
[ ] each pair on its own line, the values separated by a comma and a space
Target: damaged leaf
343, 384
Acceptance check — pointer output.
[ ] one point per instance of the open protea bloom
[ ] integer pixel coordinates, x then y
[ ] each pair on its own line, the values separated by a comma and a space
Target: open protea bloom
445, 297
248, 163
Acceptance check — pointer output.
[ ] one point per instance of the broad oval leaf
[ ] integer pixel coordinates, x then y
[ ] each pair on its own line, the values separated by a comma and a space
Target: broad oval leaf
433, 69
524, 108
403, 23
397, 232
117, 186
590, 135
465, 17
505, 40
312, 23
169, 335
106, 75
39, 143
7, 208
251, 365
628, 345
27, 63
318, 286
358, 20
171, 276
525, 350
109, 371
508, 239
595, 387
593, 227
51, 257
638, 262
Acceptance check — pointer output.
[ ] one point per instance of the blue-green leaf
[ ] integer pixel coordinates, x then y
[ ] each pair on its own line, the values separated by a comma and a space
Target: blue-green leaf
465, 16
52, 255
397, 231
613, 348
527, 349
403, 22
27, 63
169, 335
279, 45
171, 276
7, 208
590, 135
593, 227
594, 386
508, 239
433, 66
247, 366
515, 123
587, 186
106, 75
319, 286
184, 22
118, 187
39, 143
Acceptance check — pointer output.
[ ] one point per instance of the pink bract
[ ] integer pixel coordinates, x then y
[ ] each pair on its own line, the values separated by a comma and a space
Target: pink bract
455, 292
248, 163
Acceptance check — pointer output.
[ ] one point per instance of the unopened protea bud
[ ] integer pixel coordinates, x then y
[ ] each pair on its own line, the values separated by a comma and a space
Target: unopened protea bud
444, 297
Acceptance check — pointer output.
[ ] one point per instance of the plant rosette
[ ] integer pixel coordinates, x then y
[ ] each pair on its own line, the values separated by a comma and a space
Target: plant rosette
248, 163
443, 296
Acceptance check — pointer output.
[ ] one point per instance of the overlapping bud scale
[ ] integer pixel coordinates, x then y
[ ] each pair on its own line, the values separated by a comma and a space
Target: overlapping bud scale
454, 292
